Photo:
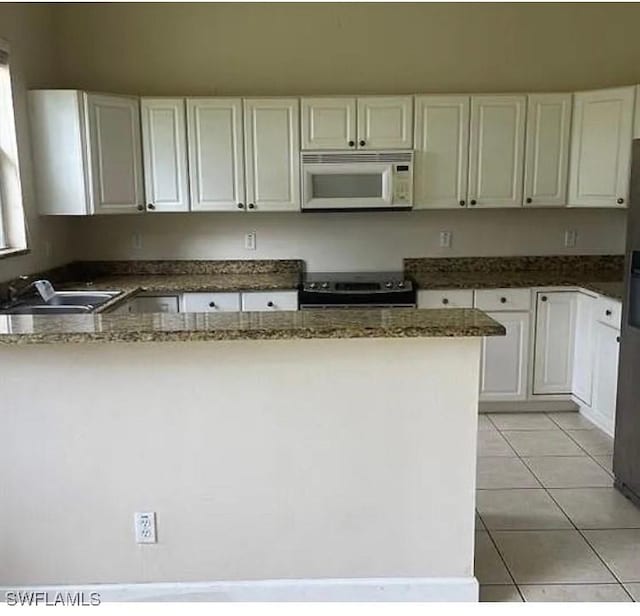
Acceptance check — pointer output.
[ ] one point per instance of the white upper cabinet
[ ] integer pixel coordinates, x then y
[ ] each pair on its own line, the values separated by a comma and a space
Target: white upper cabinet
366, 123
114, 153
272, 145
385, 122
496, 151
554, 342
164, 152
441, 151
328, 123
547, 150
601, 147
216, 154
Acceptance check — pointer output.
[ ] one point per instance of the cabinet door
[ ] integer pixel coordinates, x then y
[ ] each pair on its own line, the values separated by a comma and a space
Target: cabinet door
164, 151
272, 142
385, 122
547, 150
605, 375
115, 153
216, 154
601, 148
505, 359
496, 151
583, 353
554, 342
441, 159
328, 123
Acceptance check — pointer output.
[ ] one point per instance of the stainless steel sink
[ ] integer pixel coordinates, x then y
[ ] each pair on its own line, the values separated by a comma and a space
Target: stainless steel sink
61, 302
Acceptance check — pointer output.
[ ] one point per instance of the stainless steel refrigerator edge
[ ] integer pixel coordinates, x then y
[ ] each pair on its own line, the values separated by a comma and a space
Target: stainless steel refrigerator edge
626, 455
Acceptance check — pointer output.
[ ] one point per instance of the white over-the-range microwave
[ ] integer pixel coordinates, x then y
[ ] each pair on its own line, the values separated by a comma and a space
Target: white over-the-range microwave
357, 181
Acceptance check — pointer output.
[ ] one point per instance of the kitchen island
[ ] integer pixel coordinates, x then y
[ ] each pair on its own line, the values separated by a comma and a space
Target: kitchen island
318, 455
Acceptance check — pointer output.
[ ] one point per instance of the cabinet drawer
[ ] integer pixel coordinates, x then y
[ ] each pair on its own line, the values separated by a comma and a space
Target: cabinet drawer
259, 301
609, 311
445, 298
211, 302
168, 304
503, 299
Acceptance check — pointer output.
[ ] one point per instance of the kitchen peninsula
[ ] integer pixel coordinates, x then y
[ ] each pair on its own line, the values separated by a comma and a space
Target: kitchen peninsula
290, 455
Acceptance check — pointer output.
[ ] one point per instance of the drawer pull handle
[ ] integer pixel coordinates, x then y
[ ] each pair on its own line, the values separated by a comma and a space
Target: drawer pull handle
445, 301
503, 300
212, 304
608, 313
270, 304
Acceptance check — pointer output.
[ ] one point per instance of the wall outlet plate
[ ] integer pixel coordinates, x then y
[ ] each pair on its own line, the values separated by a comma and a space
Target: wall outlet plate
136, 240
570, 238
445, 239
250, 240
145, 526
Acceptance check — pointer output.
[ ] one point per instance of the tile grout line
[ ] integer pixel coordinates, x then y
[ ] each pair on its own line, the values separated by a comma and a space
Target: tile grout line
504, 562
615, 577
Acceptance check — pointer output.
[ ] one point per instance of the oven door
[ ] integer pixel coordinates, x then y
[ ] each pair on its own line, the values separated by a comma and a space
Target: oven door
347, 186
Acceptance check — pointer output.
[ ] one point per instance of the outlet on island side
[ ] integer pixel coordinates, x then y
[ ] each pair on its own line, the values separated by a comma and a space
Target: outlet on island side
250, 240
136, 240
145, 526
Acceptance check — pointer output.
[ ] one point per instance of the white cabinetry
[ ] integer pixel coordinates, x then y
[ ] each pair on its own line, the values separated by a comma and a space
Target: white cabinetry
496, 148
114, 153
210, 302
441, 151
87, 152
605, 375
272, 159
216, 154
583, 352
328, 123
366, 123
267, 301
547, 149
601, 147
445, 298
504, 360
555, 342
164, 151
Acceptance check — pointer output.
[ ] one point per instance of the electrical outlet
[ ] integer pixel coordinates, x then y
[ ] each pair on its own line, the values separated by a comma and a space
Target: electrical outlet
250, 240
145, 526
570, 237
445, 239
47, 249
136, 240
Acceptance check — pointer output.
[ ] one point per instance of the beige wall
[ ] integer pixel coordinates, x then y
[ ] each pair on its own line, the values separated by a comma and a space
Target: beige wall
295, 48
29, 30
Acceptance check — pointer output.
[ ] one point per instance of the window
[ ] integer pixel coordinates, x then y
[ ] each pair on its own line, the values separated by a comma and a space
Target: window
12, 223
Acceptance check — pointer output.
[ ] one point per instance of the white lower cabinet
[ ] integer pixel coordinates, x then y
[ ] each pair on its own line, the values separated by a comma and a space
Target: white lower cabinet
445, 298
210, 302
606, 343
554, 342
266, 301
504, 360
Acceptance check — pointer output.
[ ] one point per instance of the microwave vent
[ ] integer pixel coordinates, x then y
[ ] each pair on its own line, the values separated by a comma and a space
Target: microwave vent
356, 157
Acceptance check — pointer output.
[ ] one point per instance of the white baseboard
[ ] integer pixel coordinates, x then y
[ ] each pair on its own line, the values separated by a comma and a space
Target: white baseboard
526, 406
606, 424
340, 589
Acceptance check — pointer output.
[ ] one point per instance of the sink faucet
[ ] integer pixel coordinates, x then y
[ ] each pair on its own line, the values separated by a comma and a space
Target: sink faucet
14, 293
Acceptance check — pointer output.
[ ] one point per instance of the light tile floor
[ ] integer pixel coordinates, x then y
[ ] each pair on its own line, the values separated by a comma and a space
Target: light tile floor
550, 526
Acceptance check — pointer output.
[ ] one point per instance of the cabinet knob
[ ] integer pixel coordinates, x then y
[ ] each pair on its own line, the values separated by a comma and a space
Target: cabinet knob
503, 300
620, 201
270, 304
151, 206
544, 298
473, 202
529, 200
251, 206
363, 142
241, 206
445, 301
608, 313
351, 143
140, 208
212, 304
617, 338
462, 202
